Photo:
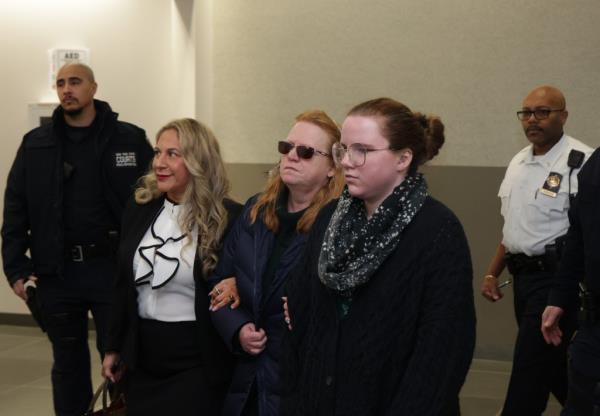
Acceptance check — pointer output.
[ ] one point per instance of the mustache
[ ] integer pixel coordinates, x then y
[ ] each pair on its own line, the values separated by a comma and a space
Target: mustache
533, 128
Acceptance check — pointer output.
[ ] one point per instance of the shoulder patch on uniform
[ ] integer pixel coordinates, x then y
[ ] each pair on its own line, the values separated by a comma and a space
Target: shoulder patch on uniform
125, 159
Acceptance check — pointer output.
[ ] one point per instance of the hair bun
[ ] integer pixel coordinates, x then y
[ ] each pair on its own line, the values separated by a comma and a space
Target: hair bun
434, 133
422, 119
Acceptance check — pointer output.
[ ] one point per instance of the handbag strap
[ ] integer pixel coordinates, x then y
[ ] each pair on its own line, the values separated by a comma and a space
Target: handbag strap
117, 401
100, 390
104, 396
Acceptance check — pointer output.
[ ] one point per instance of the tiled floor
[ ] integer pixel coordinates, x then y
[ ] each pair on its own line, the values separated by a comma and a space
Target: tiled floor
25, 361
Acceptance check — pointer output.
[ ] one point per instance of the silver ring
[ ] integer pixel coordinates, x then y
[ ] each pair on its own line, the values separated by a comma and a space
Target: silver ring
287, 320
218, 291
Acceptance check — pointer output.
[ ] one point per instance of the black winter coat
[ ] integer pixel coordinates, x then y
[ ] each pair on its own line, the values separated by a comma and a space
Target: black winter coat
581, 257
406, 344
34, 191
246, 252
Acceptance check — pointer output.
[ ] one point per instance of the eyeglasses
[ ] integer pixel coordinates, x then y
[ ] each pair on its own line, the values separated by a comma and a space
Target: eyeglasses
303, 152
539, 113
357, 153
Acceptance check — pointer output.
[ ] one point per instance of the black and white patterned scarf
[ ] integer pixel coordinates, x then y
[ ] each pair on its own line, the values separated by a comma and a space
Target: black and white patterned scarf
354, 247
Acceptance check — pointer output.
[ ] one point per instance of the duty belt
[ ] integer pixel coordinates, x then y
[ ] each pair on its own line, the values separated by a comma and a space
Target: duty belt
518, 263
84, 252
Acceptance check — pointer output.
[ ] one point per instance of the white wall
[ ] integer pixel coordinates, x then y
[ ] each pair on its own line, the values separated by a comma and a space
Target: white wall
470, 61
142, 52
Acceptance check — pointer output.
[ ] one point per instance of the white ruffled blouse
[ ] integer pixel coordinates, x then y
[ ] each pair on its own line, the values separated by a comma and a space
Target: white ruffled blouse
163, 269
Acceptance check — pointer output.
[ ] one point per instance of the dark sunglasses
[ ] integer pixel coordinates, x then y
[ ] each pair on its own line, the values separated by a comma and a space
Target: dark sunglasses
303, 152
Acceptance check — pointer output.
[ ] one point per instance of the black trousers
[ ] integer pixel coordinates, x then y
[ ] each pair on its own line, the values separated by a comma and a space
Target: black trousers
65, 303
584, 373
538, 368
584, 395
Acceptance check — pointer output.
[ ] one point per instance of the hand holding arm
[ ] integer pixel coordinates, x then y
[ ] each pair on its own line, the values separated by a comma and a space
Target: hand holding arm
223, 293
286, 313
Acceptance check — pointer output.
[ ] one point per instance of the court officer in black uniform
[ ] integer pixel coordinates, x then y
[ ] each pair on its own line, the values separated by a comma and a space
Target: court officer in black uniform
62, 207
579, 271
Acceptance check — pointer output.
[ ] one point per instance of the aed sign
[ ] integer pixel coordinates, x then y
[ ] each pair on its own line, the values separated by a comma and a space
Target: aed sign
61, 57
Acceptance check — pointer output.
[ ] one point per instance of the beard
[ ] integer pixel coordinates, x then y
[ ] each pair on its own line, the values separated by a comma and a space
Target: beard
73, 112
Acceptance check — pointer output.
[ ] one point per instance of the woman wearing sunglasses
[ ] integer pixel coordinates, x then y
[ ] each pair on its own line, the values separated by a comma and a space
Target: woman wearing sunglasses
265, 243
381, 304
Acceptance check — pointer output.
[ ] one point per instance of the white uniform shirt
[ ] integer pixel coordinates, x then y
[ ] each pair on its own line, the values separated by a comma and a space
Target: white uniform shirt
533, 219
163, 269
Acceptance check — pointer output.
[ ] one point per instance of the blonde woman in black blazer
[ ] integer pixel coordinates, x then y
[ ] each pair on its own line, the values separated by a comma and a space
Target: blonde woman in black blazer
161, 335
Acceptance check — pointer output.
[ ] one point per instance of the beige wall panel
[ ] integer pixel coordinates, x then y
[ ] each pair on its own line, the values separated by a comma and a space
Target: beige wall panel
470, 61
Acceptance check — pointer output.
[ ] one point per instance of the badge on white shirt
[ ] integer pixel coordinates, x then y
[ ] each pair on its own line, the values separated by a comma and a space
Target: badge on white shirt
552, 184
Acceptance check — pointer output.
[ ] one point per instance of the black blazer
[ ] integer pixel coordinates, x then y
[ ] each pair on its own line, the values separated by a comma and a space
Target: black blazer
123, 331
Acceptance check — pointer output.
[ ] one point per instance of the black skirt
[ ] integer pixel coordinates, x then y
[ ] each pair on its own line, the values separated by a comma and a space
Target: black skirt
169, 378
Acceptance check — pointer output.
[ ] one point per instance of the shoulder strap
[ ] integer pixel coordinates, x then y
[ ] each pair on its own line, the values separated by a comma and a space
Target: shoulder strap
574, 161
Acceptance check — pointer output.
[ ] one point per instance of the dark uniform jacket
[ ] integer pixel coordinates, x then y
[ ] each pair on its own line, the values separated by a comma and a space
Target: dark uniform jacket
246, 253
33, 199
124, 321
581, 257
406, 344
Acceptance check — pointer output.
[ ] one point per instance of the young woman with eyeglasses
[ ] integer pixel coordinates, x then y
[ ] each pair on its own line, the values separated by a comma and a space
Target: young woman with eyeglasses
266, 242
381, 304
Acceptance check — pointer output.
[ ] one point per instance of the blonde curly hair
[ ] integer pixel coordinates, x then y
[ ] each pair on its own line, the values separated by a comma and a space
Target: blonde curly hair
202, 200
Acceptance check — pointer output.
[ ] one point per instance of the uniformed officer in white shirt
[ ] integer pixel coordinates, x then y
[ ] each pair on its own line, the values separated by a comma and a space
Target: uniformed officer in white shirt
535, 196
